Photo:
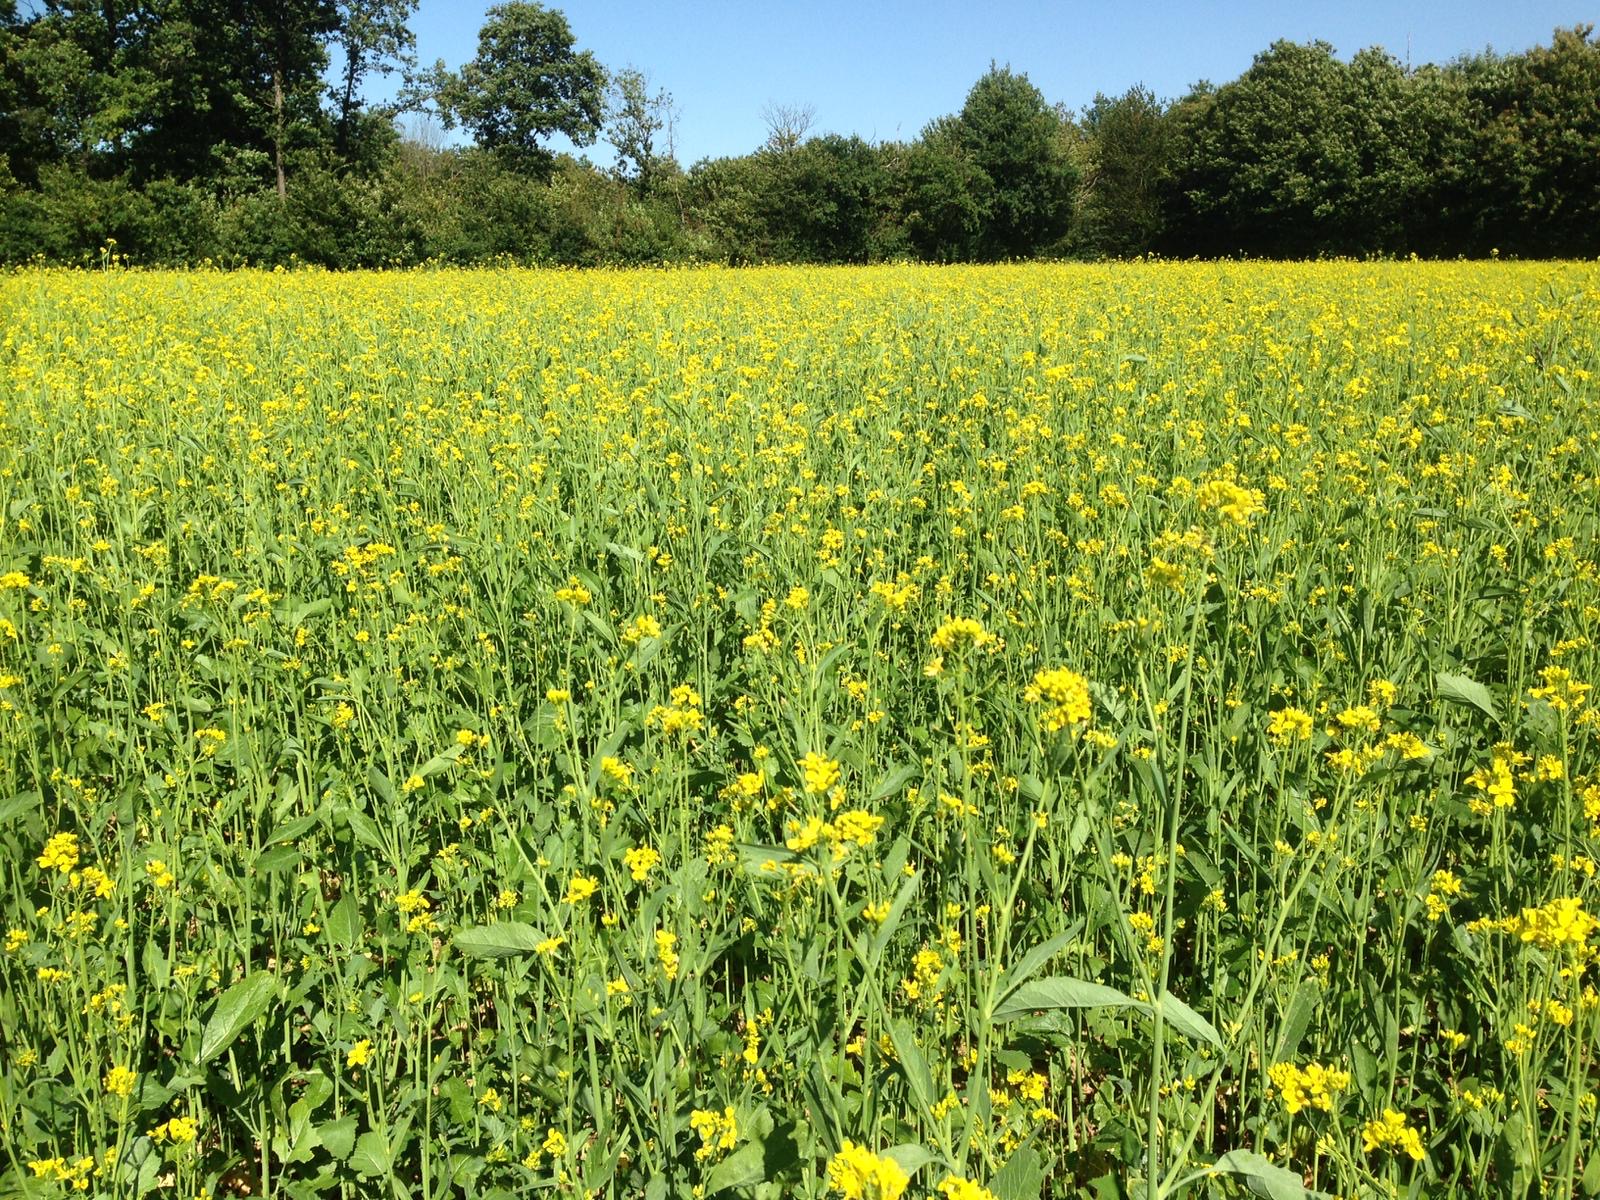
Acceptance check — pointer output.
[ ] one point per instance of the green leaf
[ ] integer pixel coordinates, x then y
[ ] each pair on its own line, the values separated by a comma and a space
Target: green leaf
344, 922
1459, 689
339, 1137
1035, 958
15, 806
500, 940
1188, 1022
745, 1167
1295, 1021
880, 940
911, 1157
912, 1063
763, 1159
371, 1155
1262, 1177
1022, 1178
238, 1009
1061, 991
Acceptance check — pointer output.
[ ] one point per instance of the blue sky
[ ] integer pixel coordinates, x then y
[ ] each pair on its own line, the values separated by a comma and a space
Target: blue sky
883, 70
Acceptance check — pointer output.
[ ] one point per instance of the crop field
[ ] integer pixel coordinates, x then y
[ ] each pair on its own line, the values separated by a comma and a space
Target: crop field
1016, 732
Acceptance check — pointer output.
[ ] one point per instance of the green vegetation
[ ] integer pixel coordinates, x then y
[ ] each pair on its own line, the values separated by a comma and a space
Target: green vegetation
179, 131
1035, 732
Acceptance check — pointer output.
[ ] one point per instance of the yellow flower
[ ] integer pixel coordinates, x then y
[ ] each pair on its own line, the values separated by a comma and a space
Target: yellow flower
120, 1081
359, 1054
580, 889
1392, 1132
574, 593
1560, 690
640, 628
820, 772
60, 853
667, 954
858, 1174
1232, 502
1065, 696
640, 861
178, 1131
1311, 1086
961, 631
954, 1187
719, 1132
1289, 725
1561, 924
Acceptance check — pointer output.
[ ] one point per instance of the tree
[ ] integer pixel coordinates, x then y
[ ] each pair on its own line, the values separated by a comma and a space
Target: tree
823, 200
373, 37
948, 197
1129, 156
635, 119
526, 83
1538, 140
787, 124
1018, 142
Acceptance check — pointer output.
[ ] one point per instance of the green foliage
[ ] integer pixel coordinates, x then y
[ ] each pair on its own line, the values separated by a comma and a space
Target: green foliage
1017, 143
947, 195
525, 83
1129, 152
175, 126
636, 119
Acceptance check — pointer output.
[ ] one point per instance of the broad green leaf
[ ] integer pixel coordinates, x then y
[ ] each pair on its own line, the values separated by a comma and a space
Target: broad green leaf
1188, 1022
344, 922
1459, 689
1061, 991
1262, 1177
238, 1009
15, 806
770, 1153
1022, 1177
880, 940
745, 1167
1017, 974
339, 1137
371, 1156
911, 1157
500, 940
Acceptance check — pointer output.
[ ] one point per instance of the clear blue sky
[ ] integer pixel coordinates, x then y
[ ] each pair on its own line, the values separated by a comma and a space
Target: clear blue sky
884, 69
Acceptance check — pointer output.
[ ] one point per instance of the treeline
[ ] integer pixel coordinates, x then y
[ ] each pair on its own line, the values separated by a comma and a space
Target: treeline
181, 131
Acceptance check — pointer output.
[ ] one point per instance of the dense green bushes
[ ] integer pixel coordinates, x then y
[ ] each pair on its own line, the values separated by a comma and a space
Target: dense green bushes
158, 138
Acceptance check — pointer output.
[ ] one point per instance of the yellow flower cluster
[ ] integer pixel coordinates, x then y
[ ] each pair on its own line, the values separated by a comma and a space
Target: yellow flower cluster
1394, 1133
1562, 924
1310, 1086
719, 1131
1064, 695
856, 1173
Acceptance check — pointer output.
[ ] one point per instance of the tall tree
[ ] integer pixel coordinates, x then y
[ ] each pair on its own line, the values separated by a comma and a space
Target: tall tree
373, 37
1019, 143
947, 196
1130, 154
526, 82
636, 120
1539, 144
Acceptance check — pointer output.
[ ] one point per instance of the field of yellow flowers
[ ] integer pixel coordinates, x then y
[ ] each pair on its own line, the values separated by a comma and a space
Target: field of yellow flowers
972, 733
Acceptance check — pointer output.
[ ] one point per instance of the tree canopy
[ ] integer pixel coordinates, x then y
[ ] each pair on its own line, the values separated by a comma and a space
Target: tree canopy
245, 130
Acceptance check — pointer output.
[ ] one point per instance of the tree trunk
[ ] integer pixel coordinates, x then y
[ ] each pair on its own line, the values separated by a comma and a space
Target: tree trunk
277, 128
